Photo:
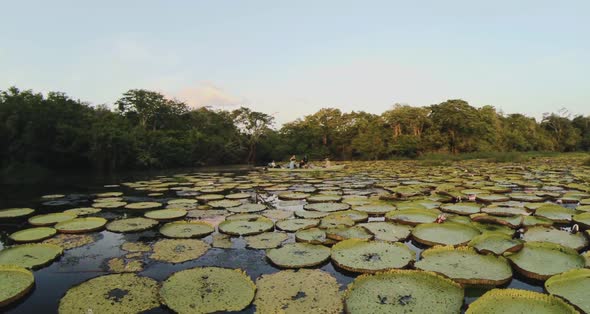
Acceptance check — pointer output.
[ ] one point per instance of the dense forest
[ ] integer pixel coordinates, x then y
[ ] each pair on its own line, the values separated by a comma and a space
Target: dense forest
147, 130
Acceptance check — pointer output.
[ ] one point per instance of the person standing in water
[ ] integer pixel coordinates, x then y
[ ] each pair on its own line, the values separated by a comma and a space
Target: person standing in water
328, 163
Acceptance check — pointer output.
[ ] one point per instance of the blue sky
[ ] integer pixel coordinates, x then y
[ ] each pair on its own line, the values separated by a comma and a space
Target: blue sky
290, 58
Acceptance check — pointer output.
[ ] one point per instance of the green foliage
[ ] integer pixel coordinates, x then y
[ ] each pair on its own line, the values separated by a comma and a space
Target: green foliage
148, 130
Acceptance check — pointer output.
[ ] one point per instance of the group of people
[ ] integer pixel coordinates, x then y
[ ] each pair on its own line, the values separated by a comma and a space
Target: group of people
303, 163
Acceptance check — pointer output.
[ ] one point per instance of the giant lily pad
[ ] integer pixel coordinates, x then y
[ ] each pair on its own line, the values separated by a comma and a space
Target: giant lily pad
464, 265
412, 217
504, 211
247, 208
461, 208
224, 203
495, 243
178, 250
343, 232
385, 231
448, 233
30, 255
246, 226
33, 234
83, 211
327, 207
131, 225
323, 198
207, 290
582, 219
403, 291
109, 205
292, 225
166, 214
572, 285
293, 196
116, 293
50, 219
556, 213
515, 301
297, 255
143, 205
71, 241
266, 240
541, 260
510, 221
11, 213
542, 234
313, 236
187, 229
301, 291
369, 257
81, 225
15, 283
375, 209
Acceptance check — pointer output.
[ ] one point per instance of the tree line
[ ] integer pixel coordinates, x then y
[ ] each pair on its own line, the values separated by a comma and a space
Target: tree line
145, 129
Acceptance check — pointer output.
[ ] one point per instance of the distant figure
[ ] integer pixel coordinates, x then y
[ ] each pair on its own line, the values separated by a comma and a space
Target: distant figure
272, 164
302, 163
328, 163
305, 159
292, 161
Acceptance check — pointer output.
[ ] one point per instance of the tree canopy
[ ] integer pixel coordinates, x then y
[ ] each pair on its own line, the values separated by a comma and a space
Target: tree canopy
145, 129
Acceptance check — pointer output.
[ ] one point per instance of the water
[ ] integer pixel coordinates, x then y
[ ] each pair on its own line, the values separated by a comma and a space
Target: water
80, 264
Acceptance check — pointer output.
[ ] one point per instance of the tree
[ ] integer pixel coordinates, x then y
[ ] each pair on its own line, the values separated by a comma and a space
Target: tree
459, 121
149, 108
253, 126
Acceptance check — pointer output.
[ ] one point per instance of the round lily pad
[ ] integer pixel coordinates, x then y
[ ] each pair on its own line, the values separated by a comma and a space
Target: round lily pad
343, 232
178, 250
109, 194
369, 256
183, 201
461, 209
297, 255
541, 260
448, 233
298, 291
30, 255
293, 196
464, 265
292, 225
115, 293
403, 291
33, 234
375, 209
50, 219
495, 243
327, 207
143, 205
187, 229
333, 221
355, 215
81, 225
313, 236
237, 196
515, 301
83, 211
309, 214
224, 203
207, 290
243, 217
266, 240
504, 211
131, 225
210, 197
15, 283
583, 219
246, 227
572, 285
165, 214
556, 213
323, 198
125, 265
491, 198
412, 217
277, 214
510, 221
247, 208
71, 241
385, 231
109, 205
547, 234
526, 197
529, 221
11, 213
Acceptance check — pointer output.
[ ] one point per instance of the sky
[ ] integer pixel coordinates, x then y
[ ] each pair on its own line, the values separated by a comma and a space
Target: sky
291, 58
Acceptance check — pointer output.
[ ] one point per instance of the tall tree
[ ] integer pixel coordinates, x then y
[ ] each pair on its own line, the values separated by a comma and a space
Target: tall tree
253, 125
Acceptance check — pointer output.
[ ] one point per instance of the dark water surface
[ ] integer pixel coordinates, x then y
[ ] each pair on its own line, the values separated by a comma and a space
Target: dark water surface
80, 264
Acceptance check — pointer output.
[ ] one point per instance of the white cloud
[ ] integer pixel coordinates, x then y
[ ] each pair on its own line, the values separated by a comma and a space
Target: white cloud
207, 94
